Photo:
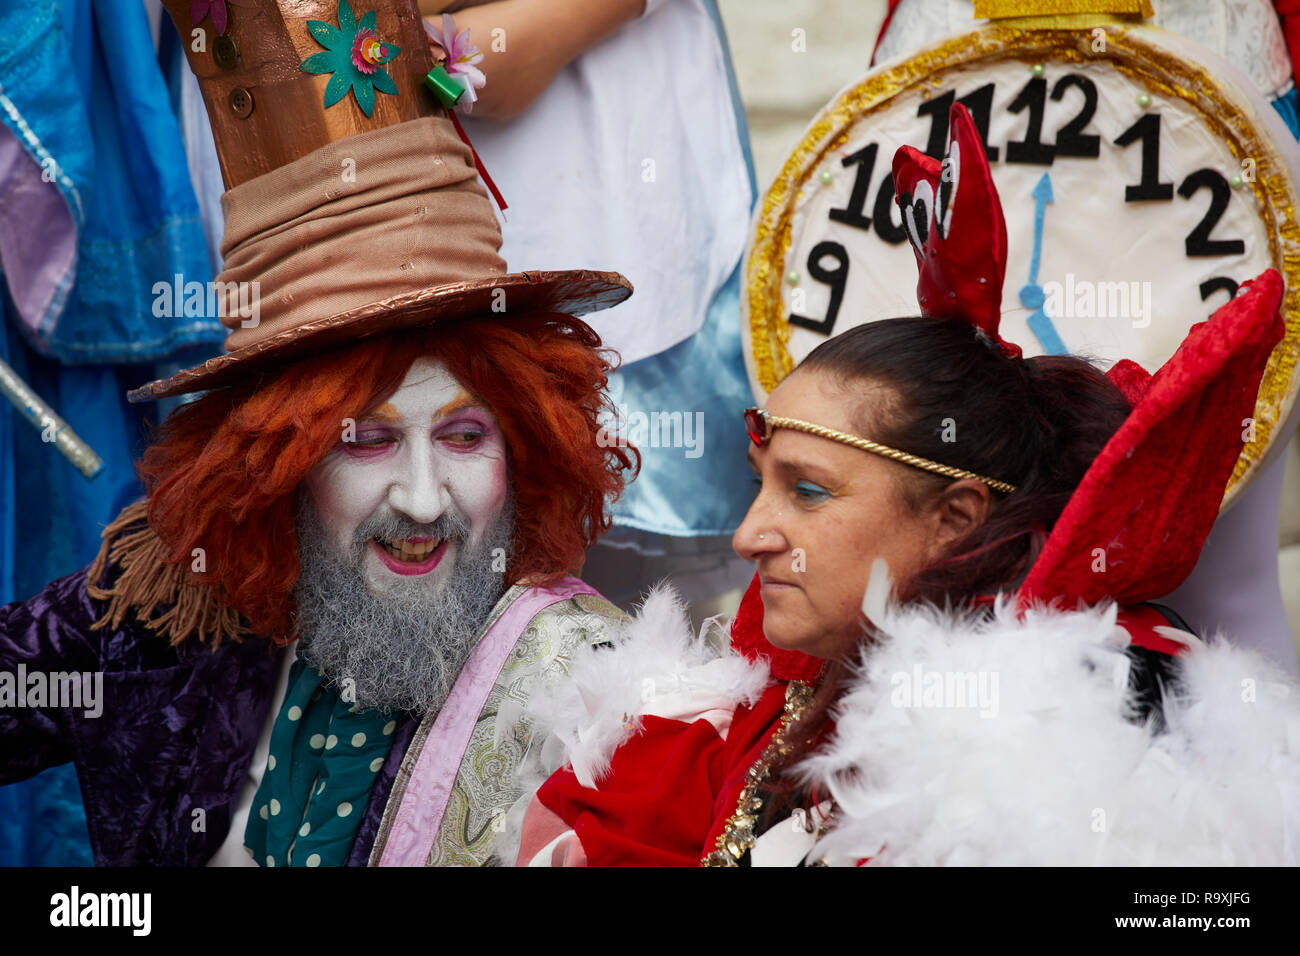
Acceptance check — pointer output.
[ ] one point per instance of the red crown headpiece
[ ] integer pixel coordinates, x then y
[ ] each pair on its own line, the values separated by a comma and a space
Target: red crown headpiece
953, 218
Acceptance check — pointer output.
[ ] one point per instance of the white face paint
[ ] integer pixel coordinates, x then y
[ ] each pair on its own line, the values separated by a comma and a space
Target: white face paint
430, 450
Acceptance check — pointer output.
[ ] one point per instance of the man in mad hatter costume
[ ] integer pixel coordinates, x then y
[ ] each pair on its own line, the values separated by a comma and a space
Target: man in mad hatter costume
311, 644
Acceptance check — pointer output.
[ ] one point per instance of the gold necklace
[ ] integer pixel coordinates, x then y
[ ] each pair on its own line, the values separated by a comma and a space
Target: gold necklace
737, 837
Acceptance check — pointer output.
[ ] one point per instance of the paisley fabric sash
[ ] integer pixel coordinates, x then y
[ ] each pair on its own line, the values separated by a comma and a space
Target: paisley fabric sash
419, 815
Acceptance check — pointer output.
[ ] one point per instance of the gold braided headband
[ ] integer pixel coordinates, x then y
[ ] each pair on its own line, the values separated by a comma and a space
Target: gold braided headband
866, 444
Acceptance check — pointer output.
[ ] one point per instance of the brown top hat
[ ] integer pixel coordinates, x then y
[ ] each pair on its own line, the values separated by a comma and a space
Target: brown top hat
353, 208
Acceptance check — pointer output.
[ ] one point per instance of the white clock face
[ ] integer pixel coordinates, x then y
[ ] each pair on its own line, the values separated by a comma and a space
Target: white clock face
1130, 213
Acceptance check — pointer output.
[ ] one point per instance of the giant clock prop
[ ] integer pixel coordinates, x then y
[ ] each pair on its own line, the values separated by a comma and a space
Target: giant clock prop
1142, 179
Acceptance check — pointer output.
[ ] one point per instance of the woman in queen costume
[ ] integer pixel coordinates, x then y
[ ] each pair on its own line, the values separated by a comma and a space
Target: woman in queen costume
949, 654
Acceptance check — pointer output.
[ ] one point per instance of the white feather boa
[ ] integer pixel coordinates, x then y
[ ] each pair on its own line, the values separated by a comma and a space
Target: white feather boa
1042, 769
1053, 773
654, 664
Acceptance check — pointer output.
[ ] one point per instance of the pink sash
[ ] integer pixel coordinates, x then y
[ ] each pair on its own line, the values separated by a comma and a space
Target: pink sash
418, 818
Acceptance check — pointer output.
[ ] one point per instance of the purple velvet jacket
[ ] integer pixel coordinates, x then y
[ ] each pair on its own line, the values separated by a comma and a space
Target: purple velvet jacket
176, 732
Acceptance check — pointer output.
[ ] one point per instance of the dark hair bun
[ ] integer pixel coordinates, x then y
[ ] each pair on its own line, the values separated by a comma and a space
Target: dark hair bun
1037, 423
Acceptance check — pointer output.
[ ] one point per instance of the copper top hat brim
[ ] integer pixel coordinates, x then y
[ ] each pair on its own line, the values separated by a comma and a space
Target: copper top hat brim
409, 241
574, 292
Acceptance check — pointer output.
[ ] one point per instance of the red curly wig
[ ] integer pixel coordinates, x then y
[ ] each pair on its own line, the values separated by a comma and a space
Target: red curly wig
224, 474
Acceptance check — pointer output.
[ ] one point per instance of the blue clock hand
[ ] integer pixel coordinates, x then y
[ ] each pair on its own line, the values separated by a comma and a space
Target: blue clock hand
1042, 196
1031, 295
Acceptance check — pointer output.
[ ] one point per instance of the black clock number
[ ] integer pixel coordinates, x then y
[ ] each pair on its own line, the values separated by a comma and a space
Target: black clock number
1070, 139
980, 104
851, 215
937, 109
1198, 241
1219, 283
885, 209
1147, 129
1031, 149
836, 278
882, 212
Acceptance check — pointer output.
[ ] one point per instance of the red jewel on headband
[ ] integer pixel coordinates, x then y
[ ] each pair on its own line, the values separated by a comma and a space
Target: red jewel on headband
756, 426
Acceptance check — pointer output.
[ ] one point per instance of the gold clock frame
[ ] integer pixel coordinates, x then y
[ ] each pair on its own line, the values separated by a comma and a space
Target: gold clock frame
1143, 62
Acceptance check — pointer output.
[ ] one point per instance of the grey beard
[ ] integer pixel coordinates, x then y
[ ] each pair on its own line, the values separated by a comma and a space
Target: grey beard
402, 650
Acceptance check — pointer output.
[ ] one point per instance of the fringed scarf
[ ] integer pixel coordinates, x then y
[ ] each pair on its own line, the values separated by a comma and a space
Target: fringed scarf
148, 579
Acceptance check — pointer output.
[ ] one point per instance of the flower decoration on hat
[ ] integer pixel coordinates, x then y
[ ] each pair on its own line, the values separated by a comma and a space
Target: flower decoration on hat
460, 69
199, 10
954, 220
453, 82
355, 55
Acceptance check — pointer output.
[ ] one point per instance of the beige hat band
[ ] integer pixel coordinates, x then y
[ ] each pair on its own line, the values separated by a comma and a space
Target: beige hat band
393, 210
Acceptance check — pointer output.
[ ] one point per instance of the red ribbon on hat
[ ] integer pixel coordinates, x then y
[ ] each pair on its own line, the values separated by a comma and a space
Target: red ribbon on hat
478, 163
